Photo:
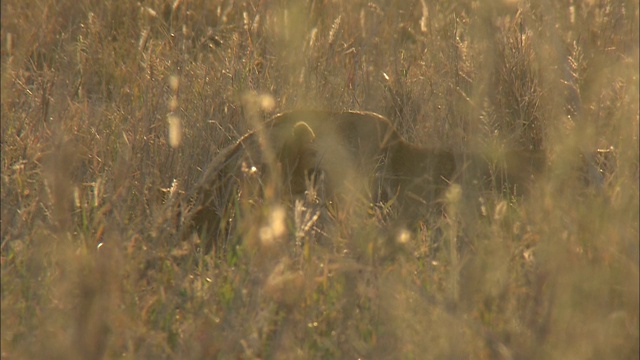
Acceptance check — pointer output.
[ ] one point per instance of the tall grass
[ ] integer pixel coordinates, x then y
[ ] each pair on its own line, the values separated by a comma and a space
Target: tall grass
93, 264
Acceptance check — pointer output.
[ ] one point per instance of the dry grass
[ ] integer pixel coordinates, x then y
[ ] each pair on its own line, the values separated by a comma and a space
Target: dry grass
104, 104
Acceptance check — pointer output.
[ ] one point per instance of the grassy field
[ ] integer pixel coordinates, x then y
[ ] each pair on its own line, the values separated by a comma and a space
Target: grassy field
112, 110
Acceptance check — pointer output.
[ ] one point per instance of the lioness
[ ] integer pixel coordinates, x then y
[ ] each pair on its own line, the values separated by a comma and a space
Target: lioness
351, 155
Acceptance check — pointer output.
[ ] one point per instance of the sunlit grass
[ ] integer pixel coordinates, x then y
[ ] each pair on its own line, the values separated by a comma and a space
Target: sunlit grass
112, 111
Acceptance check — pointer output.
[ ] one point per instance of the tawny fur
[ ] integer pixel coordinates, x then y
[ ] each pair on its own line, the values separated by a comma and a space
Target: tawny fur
357, 155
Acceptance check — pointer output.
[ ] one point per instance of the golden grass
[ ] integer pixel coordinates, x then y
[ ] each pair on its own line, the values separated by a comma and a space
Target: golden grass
105, 104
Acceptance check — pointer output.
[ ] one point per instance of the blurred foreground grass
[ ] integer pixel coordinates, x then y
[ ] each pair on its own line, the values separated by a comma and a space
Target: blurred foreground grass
92, 264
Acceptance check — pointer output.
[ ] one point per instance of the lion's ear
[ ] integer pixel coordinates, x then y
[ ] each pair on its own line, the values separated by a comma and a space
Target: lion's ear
303, 134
